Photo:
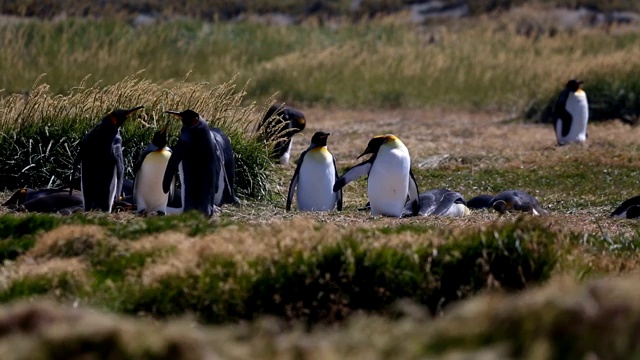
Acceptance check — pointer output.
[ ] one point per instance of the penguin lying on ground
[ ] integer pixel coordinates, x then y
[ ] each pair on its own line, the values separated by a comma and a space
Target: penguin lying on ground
101, 162
315, 175
480, 202
442, 202
279, 124
149, 174
571, 114
629, 209
58, 202
25, 194
390, 178
199, 159
517, 200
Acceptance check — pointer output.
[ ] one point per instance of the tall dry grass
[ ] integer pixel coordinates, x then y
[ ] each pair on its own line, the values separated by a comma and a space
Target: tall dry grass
40, 131
491, 62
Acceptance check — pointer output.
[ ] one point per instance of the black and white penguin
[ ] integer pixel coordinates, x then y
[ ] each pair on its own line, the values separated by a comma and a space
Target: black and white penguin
26, 194
480, 202
229, 158
58, 202
101, 162
200, 162
390, 179
314, 177
149, 174
629, 209
517, 200
279, 125
441, 202
571, 114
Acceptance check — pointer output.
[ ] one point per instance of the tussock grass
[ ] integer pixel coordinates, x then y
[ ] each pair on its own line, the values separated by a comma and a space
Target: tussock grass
480, 63
301, 270
41, 131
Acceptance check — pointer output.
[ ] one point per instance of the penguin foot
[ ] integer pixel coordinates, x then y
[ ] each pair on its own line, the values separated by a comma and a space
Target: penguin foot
160, 213
366, 207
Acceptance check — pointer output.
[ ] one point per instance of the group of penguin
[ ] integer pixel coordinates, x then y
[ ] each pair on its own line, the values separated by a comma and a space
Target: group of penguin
205, 162
203, 157
391, 186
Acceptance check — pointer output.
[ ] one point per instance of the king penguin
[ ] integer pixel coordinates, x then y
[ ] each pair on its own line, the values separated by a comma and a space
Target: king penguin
101, 162
571, 114
441, 202
517, 200
279, 125
314, 177
200, 163
149, 174
390, 179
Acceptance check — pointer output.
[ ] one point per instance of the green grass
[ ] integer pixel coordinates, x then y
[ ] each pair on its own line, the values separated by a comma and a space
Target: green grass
479, 64
320, 282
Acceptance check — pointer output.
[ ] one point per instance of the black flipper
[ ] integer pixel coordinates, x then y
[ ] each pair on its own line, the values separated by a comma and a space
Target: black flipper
172, 167
339, 192
294, 181
353, 173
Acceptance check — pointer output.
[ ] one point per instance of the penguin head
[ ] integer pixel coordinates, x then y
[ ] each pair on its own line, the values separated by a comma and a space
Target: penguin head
319, 139
574, 84
296, 120
502, 206
119, 116
160, 136
188, 117
374, 144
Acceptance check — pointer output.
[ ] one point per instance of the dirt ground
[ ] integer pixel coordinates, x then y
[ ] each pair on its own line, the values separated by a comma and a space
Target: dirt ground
435, 139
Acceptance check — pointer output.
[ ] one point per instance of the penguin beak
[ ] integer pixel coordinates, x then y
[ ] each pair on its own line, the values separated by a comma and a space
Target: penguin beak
366, 151
134, 110
174, 113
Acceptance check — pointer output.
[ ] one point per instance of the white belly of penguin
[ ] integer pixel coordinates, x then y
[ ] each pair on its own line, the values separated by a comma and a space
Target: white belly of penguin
149, 194
457, 210
578, 107
315, 182
388, 183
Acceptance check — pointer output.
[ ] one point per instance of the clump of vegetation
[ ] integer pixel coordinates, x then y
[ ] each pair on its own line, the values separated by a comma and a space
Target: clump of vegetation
325, 275
41, 131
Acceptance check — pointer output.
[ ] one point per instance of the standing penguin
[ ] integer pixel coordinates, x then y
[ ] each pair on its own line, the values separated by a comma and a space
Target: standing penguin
229, 160
101, 162
200, 162
149, 174
279, 124
315, 175
390, 179
571, 114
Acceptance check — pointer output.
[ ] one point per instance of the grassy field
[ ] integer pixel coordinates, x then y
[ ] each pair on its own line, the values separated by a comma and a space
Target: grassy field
260, 282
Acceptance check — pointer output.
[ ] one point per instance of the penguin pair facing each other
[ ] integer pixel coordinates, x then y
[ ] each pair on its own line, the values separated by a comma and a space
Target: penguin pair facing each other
279, 125
101, 162
571, 114
390, 179
314, 178
204, 159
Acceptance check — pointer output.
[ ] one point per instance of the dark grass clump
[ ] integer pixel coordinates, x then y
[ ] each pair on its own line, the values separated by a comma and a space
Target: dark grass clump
17, 233
331, 282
